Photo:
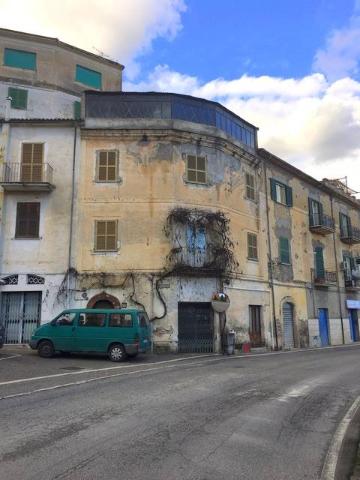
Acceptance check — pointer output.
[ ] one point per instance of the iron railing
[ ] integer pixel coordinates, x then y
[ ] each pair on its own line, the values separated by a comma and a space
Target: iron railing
26, 173
324, 277
350, 234
322, 221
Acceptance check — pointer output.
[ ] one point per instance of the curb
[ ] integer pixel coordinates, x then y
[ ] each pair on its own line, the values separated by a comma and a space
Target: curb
341, 455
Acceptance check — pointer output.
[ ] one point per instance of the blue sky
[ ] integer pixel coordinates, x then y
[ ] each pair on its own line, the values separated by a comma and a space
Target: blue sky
292, 68
258, 37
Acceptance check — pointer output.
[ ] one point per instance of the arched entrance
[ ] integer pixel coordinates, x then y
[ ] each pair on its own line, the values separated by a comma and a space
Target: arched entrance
103, 300
288, 322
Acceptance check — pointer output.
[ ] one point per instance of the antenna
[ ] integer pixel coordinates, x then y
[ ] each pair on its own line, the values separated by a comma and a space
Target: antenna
102, 54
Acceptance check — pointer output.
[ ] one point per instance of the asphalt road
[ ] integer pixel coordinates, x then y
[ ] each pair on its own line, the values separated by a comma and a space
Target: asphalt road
270, 416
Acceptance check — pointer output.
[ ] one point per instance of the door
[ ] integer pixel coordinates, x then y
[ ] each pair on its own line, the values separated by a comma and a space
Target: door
255, 331
354, 325
195, 327
91, 333
63, 330
324, 326
144, 329
288, 320
20, 314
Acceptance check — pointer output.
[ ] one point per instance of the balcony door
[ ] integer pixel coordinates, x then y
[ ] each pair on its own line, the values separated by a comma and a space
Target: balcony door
32, 162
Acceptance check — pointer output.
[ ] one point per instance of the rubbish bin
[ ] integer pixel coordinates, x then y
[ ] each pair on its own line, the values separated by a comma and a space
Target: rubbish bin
230, 343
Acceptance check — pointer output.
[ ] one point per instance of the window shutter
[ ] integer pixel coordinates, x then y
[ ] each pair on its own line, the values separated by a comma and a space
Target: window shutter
321, 212
27, 220
77, 110
273, 189
289, 196
319, 262
284, 250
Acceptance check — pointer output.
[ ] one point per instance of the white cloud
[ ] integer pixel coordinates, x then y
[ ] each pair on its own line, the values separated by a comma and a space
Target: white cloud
311, 122
341, 55
121, 29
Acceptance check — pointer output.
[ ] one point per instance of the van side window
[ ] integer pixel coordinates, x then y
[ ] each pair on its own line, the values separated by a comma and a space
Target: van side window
67, 319
92, 320
120, 320
142, 320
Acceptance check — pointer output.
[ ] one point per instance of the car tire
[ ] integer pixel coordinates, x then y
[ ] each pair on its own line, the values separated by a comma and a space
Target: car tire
117, 353
46, 349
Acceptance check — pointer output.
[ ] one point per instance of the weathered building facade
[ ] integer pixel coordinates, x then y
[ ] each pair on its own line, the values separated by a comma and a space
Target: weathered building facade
41, 81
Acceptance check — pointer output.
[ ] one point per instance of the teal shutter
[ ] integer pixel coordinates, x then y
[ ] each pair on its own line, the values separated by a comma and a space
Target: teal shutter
321, 213
18, 98
88, 77
311, 216
319, 263
77, 110
289, 196
19, 59
284, 250
273, 189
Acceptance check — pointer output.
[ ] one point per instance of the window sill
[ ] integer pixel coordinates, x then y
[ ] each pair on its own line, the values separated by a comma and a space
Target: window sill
104, 252
111, 182
285, 263
283, 204
200, 184
253, 260
89, 87
27, 238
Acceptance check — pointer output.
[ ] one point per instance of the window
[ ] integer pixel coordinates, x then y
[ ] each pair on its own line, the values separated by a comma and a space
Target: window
284, 250
92, 319
195, 238
349, 265
66, 320
250, 186
281, 193
77, 110
18, 98
32, 162
319, 263
315, 212
27, 220
88, 77
252, 246
107, 166
120, 320
106, 235
196, 169
19, 59
345, 225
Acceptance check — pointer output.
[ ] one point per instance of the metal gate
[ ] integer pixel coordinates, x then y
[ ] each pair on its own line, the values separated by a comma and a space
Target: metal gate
288, 317
20, 313
196, 327
354, 325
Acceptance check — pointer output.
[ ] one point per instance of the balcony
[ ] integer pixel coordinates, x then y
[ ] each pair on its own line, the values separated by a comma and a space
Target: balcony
352, 280
322, 224
324, 278
350, 235
20, 177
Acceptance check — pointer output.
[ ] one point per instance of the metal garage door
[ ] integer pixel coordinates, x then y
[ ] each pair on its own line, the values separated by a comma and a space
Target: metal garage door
196, 327
288, 318
20, 313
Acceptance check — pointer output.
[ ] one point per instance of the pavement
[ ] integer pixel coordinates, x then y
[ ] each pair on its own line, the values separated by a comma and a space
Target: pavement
191, 417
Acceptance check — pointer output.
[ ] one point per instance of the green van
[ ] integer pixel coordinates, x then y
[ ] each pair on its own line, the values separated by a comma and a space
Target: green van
118, 333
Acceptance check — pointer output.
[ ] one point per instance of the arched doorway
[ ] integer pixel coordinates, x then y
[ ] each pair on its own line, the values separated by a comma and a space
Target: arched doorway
103, 300
288, 322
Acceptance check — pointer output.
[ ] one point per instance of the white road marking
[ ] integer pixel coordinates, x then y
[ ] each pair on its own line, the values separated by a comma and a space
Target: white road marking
8, 358
330, 464
82, 382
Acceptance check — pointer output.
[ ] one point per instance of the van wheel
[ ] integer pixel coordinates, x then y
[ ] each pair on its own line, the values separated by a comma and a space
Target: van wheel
117, 353
46, 349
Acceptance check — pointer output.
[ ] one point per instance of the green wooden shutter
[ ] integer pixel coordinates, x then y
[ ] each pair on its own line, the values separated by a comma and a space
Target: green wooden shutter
321, 213
77, 110
19, 59
18, 98
319, 263
311, 218
89, 77
284, 245
289, 196
273, 189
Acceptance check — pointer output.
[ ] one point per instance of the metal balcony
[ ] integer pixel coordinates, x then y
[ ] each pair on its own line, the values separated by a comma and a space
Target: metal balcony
350, 235
21, 177
322, 224
323, 279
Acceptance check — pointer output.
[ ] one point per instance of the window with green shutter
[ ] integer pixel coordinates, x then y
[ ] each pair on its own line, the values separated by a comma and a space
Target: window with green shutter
18, 98
281, 193
319, 262
19, 59
77, 110
284, 250
88, 77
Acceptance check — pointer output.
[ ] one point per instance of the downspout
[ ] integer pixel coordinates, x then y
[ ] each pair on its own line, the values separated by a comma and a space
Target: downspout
71, 217
337, 272
270, 269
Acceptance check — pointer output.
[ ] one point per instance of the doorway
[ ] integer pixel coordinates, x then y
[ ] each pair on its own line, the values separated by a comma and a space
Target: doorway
354, 325
255, 330
288, 320
20, 314
195, 327
324, 326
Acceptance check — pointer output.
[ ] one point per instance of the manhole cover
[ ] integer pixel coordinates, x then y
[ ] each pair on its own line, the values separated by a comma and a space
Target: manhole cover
72, 368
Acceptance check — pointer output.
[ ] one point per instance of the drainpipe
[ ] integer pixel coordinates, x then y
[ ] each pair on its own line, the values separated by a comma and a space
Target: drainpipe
71, 217
337, 273
271, 282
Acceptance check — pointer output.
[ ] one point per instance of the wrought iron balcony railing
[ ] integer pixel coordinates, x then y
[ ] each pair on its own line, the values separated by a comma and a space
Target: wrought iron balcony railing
350, 235
320, 223
26, 176
323, 278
